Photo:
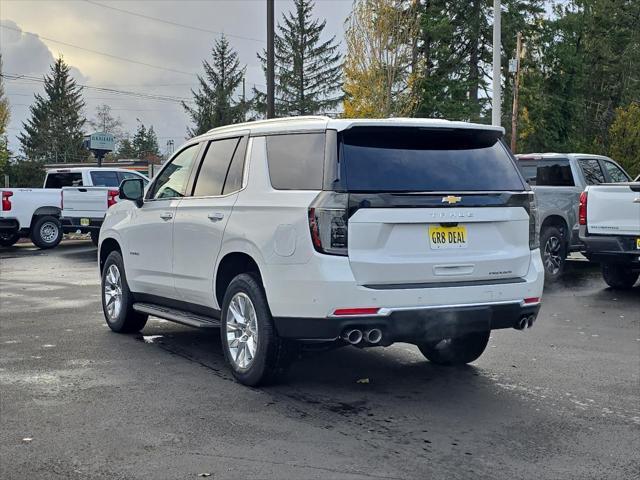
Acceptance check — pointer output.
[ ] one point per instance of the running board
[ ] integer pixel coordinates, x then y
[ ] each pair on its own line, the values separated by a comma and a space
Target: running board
178, 316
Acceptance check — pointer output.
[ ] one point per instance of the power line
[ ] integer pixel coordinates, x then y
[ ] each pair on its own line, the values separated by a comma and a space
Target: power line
149, 96
169, 22
116, 57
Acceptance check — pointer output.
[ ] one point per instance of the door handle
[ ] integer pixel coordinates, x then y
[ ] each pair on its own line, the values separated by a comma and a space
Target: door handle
215, 217
166, 215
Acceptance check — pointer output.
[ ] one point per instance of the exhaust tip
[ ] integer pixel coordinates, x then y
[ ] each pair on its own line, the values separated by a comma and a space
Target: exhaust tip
353, 336
522, 323
373, 336
530, 320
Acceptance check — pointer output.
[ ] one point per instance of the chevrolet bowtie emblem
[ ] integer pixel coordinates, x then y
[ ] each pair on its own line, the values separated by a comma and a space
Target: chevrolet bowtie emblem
451, 199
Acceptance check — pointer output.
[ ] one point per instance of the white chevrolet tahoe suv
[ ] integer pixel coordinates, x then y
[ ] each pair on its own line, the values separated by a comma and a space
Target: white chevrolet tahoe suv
308, 230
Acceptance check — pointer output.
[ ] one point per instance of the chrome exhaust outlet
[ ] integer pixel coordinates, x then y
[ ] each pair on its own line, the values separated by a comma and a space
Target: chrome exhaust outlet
353, 336
373, 336
522, 323
530, 320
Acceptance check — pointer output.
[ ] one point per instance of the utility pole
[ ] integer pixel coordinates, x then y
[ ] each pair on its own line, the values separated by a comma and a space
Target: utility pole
516, 88
244, 100
496, 106
270, 60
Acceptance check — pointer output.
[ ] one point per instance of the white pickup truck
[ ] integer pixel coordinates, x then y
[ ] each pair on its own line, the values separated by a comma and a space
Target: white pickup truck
609, 217
84, 208
35, 212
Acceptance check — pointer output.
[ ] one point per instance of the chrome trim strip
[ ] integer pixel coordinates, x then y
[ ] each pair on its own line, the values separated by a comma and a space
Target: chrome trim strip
386, 311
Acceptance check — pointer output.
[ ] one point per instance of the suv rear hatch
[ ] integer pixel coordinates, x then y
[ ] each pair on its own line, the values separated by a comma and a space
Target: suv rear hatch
431, 206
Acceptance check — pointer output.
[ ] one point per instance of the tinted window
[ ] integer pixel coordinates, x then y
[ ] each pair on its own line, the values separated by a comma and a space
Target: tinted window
616, 174
236, 169
592, 172
296, 161
420, 160
105, 179
173, 180
553, 173
124, 175
59, 180
215, 165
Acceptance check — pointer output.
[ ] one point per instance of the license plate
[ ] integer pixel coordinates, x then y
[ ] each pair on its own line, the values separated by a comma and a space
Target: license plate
84, 222
637, 243
447, 237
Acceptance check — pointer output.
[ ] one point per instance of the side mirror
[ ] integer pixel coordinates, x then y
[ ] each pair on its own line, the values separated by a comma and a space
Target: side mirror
132, 189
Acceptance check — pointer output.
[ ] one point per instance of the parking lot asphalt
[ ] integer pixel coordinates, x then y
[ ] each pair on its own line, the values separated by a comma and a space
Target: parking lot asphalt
560, 400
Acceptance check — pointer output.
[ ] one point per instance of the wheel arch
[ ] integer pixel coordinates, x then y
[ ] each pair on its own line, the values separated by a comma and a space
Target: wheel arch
231, 265
107, 246
558, 221
46, 210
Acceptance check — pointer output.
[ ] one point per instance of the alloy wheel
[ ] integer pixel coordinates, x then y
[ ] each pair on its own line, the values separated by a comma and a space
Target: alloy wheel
242, 330
113, 292
553, 255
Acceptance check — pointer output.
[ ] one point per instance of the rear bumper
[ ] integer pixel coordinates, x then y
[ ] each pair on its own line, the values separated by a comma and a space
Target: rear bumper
74, 223
9, 225
412, 325
611, 248
302, 299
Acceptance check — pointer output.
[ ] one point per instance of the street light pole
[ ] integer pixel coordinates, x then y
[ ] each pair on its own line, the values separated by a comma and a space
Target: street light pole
270, 60
496, 103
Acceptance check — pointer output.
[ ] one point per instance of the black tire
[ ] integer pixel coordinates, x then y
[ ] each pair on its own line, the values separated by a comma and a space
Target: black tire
126, 320
95, 236
457, 350
553, 249
46, 232
619, 277
9, 239
272, 354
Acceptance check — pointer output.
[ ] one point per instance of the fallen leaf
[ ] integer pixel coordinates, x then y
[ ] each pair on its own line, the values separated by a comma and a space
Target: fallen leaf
204, 474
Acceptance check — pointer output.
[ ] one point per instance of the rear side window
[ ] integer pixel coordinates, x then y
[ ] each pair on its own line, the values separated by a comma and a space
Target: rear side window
215, 166
592, 172
66, 179
552, 173
425, 160
296, 161
616, 174
233, 183
105, 179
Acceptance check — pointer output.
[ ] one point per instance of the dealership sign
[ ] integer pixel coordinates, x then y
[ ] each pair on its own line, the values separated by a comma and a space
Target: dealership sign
99, 141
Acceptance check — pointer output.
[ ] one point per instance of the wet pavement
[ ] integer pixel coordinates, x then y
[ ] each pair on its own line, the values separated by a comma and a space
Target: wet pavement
561, 400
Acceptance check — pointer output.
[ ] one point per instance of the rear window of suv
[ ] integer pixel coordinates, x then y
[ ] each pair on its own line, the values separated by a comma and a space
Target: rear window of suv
403, 159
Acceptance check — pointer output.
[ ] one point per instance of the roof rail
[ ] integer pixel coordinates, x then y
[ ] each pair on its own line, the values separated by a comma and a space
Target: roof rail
270, 120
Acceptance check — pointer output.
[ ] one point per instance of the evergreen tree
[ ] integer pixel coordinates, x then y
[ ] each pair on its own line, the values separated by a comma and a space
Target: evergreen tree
307, 69
125, 149
215, 104
54, 131
145, 143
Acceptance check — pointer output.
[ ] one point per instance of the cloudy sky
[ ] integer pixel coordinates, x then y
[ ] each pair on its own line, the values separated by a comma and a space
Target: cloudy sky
136, 46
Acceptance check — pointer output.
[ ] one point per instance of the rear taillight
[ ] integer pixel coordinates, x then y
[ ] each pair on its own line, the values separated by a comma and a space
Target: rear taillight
582, 209
6, 200
112, 197
534, 240
328, 223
